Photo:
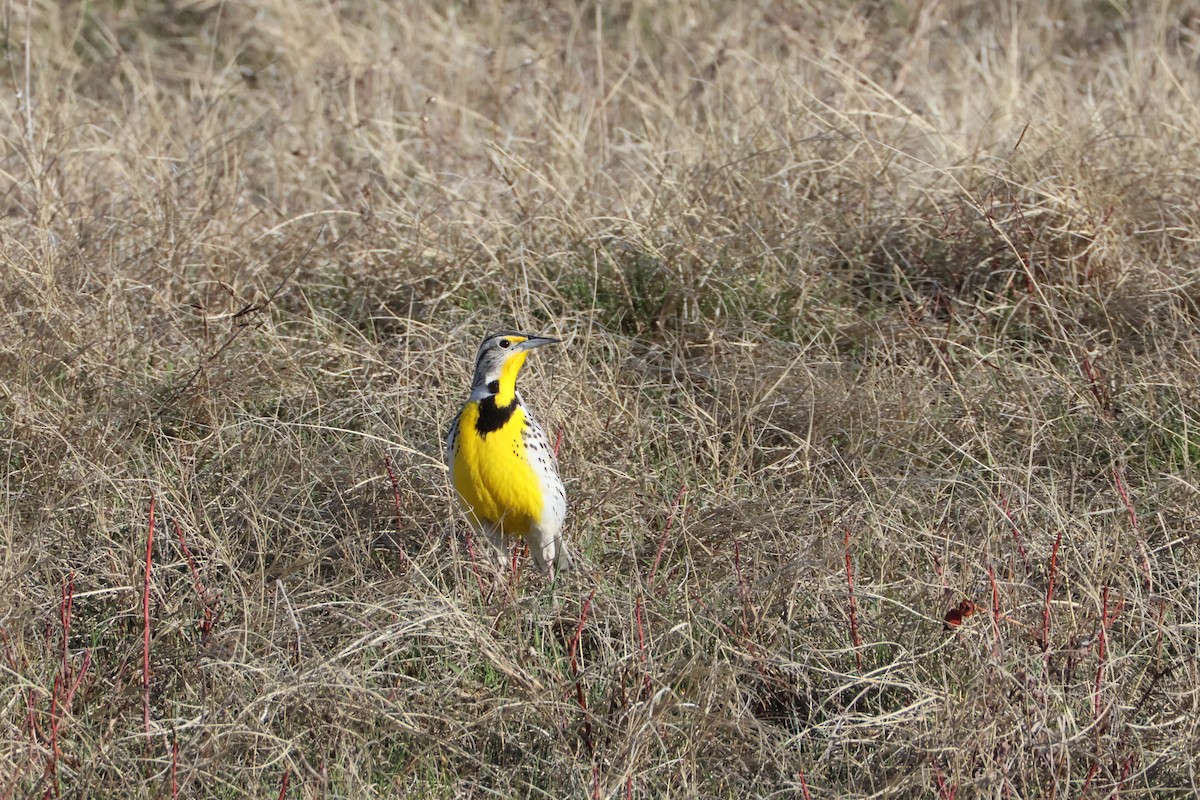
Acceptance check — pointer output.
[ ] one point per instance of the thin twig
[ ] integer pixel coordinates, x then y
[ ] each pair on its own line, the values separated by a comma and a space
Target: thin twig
946, 791
804, 786
1016, 532
662, 541
146, 621
1088, 781
475, 565
249, 308
1121, 490
854, 635
202, 593
641, 634
1101, 650
580, 696
587, 604
79, 676
64, 614
174, 766
387, 463
1049, 596
737, 567
995, 609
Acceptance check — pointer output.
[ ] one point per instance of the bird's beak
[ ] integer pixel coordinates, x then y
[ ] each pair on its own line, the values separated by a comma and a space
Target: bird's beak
535, 341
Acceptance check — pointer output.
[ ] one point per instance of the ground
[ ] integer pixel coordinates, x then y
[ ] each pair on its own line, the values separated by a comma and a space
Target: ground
876, 406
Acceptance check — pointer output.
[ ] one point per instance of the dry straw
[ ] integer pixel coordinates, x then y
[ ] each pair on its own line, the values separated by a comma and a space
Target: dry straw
923, 272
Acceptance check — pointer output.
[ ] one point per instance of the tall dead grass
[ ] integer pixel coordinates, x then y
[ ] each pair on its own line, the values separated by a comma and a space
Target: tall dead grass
871, 312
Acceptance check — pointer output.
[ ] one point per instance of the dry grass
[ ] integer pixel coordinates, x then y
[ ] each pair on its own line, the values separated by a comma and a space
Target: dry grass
903, 295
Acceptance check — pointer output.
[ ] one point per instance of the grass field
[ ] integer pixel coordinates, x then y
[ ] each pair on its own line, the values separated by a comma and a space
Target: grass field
871, 311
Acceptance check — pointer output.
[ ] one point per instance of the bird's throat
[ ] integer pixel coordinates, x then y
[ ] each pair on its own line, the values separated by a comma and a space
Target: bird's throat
506, 391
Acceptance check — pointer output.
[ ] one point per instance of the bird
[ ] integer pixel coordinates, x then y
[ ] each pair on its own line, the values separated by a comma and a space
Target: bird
501, 465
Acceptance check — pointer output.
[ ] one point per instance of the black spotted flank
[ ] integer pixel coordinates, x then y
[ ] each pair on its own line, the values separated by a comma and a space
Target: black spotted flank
493, 417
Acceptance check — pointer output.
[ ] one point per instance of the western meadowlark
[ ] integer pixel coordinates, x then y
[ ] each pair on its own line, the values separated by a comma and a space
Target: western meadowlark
501, 463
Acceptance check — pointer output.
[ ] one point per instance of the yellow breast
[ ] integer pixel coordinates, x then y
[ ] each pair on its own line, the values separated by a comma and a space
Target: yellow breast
494, 481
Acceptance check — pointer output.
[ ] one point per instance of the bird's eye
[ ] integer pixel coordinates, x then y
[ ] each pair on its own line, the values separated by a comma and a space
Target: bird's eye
505, 342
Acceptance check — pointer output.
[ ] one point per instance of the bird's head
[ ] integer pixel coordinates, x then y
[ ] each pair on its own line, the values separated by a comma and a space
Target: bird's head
500, 358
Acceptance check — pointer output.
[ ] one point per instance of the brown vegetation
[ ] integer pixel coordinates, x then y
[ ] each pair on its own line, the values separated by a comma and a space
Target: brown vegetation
873, 312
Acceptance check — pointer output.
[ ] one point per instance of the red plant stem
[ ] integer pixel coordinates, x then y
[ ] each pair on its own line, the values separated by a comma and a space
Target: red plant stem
1015, 530
558, 438
191, 562
283, 785
995, 608
61, 691
737, 566
662, 542
146, 620
641, 632
387, 463
55, 708
628, 787
474, 564
519, 551
945, 791
1093, 378
804, 786
52, 757
580, 697
1100, 651
64, 688
854, 637
174, 767
35, 732
1121, 490
1126, 766
64, 613
201, 592
79, 676
587, 604
1088, 781
1049, 596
